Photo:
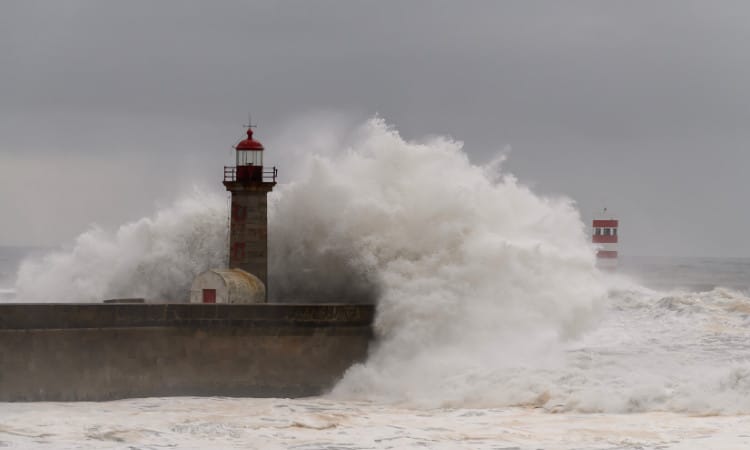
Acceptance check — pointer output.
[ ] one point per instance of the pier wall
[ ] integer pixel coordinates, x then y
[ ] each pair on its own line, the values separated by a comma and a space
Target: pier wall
92, 352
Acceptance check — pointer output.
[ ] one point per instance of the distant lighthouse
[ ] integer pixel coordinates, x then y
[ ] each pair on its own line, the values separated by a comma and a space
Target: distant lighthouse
605, 236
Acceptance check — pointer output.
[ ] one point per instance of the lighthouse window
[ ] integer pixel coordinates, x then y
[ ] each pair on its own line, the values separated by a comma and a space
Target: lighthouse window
597, 231
253, 157
257, 158
606, 231
614, 231
241, 158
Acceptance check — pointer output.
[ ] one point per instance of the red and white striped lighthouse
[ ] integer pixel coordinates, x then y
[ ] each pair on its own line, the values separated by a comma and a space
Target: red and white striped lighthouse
604, 235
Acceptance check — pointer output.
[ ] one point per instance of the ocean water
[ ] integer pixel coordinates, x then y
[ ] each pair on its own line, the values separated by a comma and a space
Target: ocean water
495, 328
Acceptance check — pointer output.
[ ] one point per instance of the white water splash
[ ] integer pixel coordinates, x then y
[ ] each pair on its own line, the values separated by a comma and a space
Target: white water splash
154, 258
473, 272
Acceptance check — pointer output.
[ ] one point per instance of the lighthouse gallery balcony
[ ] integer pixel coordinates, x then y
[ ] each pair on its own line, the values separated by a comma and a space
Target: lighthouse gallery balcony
250, 173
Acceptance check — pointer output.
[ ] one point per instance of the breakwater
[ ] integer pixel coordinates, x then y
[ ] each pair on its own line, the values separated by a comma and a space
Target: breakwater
91, 352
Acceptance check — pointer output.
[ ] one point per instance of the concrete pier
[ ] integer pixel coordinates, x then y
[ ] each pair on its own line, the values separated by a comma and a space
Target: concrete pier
65, 352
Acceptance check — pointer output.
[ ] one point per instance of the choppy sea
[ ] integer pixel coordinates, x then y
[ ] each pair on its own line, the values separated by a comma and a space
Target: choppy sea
691, 390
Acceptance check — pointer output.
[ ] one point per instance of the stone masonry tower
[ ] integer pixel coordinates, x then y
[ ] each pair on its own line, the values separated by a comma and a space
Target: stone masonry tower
249, 182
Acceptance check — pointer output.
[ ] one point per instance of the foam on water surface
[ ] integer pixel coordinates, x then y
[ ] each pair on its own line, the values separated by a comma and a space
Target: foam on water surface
319, 423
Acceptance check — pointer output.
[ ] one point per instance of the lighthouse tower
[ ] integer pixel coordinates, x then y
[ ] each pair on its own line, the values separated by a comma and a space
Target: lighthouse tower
605, 236
249, 182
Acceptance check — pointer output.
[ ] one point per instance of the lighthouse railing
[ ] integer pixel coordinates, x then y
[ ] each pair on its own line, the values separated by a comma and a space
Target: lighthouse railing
269, 174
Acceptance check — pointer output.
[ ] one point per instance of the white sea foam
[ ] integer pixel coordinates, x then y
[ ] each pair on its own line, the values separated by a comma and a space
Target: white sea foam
319, 423
487, 293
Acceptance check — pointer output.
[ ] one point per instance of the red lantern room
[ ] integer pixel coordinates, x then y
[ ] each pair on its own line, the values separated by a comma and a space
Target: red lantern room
249, 151
249, 159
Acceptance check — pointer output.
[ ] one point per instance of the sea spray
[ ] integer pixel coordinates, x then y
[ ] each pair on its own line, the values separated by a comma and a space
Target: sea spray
471, 269
154, 258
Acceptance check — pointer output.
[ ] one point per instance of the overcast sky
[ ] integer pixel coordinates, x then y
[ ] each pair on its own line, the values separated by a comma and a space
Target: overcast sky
109, 109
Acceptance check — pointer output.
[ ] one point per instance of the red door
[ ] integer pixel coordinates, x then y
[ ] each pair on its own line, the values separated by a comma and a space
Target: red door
209, 295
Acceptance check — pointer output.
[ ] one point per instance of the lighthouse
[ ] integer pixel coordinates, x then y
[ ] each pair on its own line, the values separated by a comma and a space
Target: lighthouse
249, 183
605, 236
246, 278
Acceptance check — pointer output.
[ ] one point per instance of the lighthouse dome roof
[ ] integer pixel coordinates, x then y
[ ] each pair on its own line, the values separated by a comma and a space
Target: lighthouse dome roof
249, 143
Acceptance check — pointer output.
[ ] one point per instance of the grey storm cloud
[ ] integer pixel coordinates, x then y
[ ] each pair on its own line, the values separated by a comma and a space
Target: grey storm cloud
638, 105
